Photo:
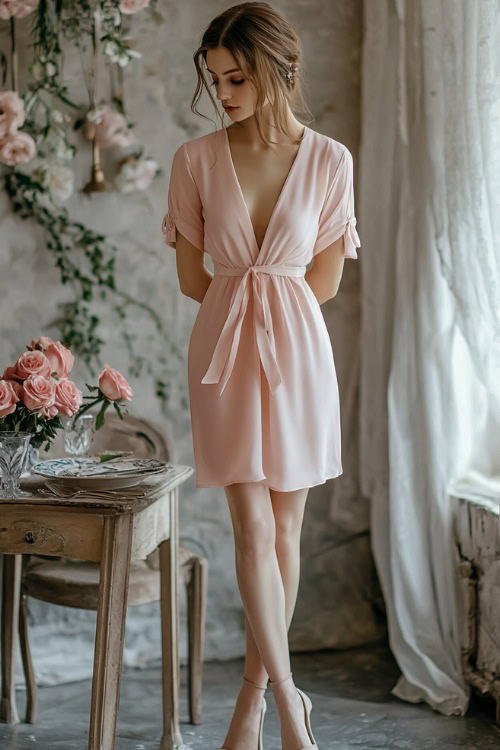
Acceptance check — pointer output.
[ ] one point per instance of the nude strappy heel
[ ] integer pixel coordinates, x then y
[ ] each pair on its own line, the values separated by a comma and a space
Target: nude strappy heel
307, 703
260, 746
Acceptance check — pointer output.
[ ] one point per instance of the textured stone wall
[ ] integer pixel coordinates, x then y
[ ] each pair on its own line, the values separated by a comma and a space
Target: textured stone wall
339, 602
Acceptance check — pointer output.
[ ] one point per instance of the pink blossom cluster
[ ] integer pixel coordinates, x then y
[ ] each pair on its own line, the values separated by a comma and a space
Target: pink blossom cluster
39, 379
16, 8
133, 6
16, 147
110, 128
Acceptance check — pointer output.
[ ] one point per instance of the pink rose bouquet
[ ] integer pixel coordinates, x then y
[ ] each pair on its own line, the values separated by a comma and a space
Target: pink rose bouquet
36, 391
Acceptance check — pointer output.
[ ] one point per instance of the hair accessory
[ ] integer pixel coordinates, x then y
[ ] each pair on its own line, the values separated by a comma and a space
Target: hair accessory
290, 74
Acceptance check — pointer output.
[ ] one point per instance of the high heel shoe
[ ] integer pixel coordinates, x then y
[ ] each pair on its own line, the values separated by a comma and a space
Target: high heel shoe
307, 704
262, 714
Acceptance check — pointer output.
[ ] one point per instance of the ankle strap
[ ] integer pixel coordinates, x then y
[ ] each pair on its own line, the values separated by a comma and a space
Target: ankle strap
277, 682
254, 683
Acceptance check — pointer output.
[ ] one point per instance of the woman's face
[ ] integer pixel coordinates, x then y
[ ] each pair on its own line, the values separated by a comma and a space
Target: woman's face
236, 94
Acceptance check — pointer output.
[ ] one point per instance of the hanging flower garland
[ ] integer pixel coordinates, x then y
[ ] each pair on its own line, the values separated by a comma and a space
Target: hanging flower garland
36, 149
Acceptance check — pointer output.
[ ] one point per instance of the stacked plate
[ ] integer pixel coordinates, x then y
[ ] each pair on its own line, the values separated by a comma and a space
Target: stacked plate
102, 471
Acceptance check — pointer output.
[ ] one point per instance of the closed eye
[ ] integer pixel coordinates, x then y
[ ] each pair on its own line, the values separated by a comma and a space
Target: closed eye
236, 83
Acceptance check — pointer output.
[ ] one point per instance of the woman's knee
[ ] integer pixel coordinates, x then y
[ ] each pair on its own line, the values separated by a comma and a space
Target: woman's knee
252, 516
255, 538
288, 533
288, 509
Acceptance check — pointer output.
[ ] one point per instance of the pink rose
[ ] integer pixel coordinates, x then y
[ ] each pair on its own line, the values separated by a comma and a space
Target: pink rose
39, 393
10, 373
42, 343
33, 363
17, 388
114, 386
61, 360
133, 6
17, 148
112, 130
16, 8
11, 112
8, 398
49, 412
68, 397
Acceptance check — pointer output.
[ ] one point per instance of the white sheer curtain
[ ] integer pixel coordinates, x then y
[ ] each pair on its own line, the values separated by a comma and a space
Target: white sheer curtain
429, 215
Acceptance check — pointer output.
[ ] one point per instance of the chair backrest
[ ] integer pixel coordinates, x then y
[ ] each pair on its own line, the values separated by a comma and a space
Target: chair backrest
143, 437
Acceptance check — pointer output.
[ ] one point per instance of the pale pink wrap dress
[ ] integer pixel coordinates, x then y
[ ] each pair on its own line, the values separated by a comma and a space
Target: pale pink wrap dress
262, 382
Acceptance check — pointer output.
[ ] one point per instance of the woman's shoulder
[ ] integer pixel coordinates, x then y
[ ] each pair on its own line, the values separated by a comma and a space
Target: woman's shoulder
199, 145
331, 156
329, 146
197, 150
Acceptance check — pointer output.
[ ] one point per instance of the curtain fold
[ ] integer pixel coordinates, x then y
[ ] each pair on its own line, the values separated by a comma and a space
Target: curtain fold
428, 204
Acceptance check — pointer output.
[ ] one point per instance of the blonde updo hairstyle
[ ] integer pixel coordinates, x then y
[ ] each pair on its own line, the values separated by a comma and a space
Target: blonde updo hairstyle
269, 53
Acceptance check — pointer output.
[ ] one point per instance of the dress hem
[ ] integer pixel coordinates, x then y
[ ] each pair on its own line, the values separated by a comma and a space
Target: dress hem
276, 489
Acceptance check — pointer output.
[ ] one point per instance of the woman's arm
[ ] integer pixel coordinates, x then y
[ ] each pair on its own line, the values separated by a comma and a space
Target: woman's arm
325, 274
194, 279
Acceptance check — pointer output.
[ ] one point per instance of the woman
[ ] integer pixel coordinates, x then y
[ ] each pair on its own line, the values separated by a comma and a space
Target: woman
262, 197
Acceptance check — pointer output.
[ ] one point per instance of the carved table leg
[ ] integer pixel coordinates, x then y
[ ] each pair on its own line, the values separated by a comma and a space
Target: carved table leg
29, 673
169, 573
11, 585
110, 631
197, 604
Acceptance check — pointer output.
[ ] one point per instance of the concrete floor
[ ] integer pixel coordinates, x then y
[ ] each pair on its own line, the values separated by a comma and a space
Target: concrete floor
352, 708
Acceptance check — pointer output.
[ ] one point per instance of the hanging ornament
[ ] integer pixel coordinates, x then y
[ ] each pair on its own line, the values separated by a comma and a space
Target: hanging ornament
97, 182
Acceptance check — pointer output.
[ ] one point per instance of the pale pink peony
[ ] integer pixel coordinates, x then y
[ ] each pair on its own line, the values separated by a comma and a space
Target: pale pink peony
8, 398
42, 343
39, 393
114, 386
112, 130
133, 6
69, 398
33, 363
11, 112
17, 148
16, 8
60, 358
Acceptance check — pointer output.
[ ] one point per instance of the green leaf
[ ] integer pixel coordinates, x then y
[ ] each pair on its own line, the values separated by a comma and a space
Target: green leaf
117, 409
108, 457
99, 422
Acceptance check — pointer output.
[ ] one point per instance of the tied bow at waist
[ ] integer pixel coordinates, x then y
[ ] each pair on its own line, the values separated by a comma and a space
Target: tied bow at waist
222, 362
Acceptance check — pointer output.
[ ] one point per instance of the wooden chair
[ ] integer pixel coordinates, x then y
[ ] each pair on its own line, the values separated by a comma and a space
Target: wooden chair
76, 583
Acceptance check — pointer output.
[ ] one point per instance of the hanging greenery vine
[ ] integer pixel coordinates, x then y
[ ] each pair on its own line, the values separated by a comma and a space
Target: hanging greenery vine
38, 178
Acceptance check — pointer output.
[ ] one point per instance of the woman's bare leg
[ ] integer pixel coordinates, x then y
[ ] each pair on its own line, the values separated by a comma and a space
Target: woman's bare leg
259, 539
288, 510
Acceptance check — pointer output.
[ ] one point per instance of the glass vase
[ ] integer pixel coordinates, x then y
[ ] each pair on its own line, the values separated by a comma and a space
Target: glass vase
13, 454
78, 435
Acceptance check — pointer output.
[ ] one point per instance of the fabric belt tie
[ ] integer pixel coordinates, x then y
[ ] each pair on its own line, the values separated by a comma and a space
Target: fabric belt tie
224, 355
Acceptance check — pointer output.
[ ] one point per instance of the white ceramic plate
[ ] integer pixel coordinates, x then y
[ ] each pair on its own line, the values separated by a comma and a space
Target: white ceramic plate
89, 471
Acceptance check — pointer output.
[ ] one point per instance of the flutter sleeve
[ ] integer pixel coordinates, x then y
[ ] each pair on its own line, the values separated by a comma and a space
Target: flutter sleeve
337, 215
184, 210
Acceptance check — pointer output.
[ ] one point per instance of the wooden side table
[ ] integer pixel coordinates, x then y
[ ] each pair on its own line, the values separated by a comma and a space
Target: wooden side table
113, 532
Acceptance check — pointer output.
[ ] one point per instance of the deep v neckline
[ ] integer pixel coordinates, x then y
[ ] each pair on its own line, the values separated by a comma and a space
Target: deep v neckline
280, 196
